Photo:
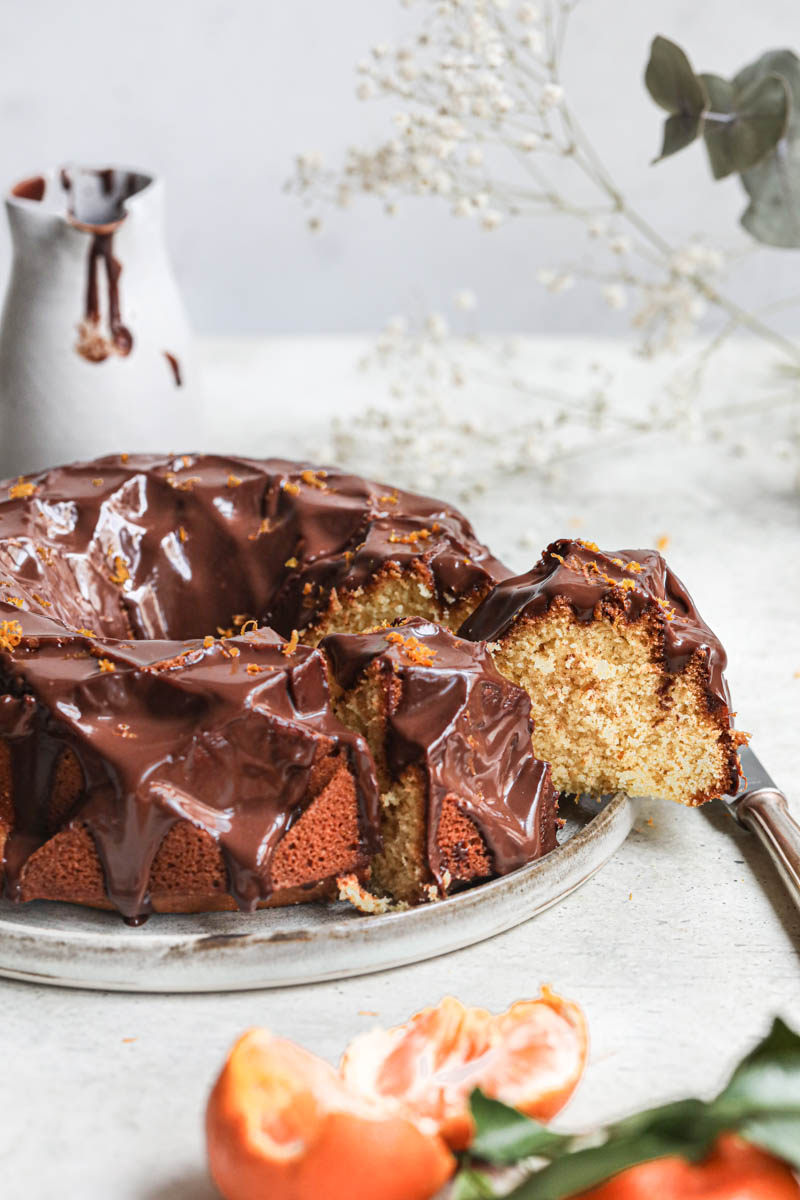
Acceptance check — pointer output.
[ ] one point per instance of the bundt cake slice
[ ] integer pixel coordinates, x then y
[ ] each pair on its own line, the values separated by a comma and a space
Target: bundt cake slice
175, 776
625, 679
462, 795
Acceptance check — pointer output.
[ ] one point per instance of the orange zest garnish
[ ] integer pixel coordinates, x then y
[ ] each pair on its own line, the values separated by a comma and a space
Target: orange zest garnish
315, 479
182, 534
106, 665
15, 600
120, 574
254, 669
10, 634
416, 535
264, 527
21, 490
181, 485
41, 600
233, 481
208, 641
291, 562
292, 644
97, 482
414, 650
90, 633
289, 487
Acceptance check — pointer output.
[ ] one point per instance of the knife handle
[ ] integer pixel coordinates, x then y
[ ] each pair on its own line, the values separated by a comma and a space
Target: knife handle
766, 813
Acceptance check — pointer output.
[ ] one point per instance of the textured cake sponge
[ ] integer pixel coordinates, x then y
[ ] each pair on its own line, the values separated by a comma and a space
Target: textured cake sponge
462, 795
625, 678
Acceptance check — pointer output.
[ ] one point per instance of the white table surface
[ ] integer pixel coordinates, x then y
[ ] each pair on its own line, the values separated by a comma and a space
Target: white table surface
680, 950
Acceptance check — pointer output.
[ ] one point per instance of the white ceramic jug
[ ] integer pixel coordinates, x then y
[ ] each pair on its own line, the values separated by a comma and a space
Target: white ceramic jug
95, 348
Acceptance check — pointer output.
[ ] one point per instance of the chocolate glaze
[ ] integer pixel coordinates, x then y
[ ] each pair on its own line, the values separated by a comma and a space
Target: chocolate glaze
174, 731
577, 572
98, 208
175, 367
467, 727
121, 340
30, 189
132, 559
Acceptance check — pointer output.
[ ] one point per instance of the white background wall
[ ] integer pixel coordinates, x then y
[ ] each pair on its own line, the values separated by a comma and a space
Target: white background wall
218, 95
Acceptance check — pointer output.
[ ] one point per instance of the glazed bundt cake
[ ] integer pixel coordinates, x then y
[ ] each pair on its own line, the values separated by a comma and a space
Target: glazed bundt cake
625, 678
462, 795
176, 776
161, 749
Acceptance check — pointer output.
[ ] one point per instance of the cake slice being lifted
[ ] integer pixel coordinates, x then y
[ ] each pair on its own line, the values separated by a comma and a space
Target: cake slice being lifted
462, 796
625, 678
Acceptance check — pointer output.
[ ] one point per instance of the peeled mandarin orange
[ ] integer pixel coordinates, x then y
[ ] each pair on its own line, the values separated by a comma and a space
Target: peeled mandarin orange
281, 1125
733, 1171
530, 1057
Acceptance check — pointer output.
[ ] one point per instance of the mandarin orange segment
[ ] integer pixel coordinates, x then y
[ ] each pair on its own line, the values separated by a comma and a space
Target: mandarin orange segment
733, 1171
282, 1125
531, 1057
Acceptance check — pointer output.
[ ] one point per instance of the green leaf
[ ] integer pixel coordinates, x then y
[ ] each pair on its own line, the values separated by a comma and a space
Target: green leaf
503, 1135
776, 1133
575, 1172
671, 81
673, 84
773, 185
472, 1185
762, 1099
761, 1102
679, 132
743, 127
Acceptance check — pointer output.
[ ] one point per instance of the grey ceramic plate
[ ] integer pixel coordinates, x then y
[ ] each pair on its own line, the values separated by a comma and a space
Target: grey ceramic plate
67, 946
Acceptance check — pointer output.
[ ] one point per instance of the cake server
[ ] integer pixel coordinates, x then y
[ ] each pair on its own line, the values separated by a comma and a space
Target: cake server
761, 807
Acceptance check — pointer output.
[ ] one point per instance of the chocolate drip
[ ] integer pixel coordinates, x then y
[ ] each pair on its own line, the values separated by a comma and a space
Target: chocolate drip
131, 562
637, 581
468, 728
223, 736
175, 367
121, 342
98, 208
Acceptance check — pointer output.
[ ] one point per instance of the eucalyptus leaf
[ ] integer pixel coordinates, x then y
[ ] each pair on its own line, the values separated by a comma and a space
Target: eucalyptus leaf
671, 81
673, 84
747, 125
503, 1135
773, 185
679, 131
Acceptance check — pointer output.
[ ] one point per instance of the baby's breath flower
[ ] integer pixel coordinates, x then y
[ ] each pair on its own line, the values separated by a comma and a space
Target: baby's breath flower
615, 296
552, 95
529, 14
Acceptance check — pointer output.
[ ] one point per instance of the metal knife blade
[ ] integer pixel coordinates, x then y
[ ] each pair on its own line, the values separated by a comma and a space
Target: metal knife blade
762, 808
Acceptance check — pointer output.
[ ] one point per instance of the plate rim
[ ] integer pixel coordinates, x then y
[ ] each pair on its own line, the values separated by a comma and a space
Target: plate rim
75, 955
